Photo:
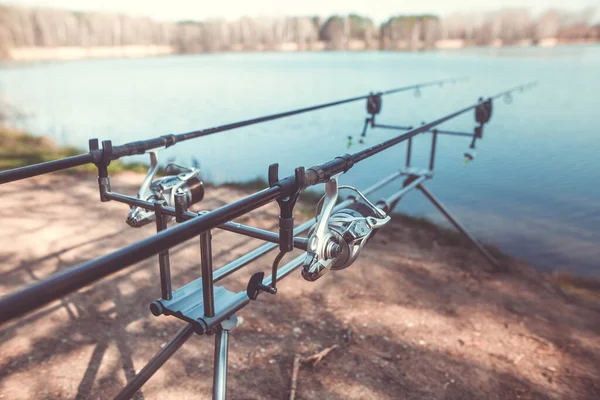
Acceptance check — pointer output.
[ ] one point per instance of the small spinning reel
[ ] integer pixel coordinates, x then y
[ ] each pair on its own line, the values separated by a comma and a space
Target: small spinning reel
335, 240
188, 181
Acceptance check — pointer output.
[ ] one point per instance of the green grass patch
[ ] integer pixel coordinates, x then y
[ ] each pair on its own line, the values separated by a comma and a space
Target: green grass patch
254, 185
19, 149
585, 287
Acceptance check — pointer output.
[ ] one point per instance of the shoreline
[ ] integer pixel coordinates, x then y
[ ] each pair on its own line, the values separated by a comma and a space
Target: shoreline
64, 53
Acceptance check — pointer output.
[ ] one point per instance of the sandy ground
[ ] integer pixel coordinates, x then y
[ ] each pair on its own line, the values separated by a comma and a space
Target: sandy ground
416, 317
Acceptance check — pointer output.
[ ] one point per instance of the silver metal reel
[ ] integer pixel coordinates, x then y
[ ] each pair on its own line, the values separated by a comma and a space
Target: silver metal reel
336, 239
164, 188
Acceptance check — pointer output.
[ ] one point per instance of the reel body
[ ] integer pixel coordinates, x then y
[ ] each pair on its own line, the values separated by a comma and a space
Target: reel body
164, 188
336, 239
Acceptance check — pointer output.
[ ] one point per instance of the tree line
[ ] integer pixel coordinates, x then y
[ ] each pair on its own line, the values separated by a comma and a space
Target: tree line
37, 27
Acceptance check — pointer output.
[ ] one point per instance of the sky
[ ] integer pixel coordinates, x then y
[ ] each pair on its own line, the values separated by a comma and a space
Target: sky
379, 10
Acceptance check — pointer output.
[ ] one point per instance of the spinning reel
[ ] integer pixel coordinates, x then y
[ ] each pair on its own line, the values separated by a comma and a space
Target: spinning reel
336, 239
187, 182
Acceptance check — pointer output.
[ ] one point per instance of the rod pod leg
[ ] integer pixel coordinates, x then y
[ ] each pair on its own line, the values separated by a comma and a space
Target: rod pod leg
461, 228
155, 363
220, 361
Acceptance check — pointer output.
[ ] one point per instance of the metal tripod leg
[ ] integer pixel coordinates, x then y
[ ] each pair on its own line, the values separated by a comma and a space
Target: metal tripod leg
155, 363
220, 361
461, 228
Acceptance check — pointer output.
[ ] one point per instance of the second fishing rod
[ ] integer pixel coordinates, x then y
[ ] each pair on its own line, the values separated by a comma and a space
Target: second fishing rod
164, 141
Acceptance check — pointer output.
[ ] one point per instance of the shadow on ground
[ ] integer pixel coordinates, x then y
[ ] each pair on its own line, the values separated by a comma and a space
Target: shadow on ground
416, 317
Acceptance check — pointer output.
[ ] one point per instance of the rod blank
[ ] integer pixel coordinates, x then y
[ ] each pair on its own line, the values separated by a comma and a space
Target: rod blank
45, 168
210, 131
141, 146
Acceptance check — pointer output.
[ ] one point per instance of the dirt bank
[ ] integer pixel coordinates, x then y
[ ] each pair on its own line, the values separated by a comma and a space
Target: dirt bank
417, 316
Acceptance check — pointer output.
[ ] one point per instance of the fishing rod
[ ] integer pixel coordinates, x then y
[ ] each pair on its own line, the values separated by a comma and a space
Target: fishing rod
75, 278
96, 156
336, 236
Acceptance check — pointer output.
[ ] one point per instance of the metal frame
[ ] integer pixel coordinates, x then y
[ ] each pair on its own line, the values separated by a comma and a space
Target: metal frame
216, 313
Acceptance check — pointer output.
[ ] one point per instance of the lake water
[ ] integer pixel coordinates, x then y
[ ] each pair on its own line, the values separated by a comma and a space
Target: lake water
534, 189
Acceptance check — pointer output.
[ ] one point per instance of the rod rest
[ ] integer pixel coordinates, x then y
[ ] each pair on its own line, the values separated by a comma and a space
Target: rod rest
187, 305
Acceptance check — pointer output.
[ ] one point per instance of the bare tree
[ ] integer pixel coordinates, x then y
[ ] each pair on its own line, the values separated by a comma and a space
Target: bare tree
27, 27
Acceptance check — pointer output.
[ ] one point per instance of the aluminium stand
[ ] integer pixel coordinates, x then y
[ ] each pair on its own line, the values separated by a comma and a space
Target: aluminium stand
415, 178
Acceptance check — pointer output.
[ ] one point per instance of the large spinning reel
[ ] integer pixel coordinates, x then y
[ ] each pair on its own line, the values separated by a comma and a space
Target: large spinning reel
187, 182
337, 238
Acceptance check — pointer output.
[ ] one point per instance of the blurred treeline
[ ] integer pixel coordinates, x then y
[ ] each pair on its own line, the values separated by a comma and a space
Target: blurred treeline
29, 27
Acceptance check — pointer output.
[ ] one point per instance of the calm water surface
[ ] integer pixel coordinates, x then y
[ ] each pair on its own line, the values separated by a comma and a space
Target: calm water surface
534, 188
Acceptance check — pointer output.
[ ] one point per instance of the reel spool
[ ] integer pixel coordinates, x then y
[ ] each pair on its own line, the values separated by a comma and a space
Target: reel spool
336, 239
165, 188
